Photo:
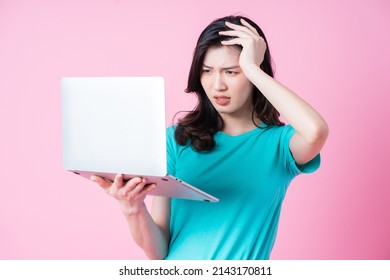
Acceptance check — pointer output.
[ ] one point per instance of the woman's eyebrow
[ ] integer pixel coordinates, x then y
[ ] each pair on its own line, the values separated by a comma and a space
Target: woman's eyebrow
223, 68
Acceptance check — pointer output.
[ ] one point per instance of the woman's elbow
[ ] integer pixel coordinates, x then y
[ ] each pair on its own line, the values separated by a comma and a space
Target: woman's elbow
319, 134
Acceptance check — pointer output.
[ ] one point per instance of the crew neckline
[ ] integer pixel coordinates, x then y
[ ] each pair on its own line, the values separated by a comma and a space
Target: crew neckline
244, 134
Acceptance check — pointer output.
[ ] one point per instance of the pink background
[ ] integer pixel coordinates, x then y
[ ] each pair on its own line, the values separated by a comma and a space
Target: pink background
335, 54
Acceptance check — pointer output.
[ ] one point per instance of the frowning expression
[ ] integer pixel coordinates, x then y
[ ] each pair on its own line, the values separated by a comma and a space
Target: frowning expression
225, 84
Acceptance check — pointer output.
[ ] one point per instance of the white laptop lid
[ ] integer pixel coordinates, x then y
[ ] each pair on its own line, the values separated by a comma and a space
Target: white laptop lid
101, 113
116, 125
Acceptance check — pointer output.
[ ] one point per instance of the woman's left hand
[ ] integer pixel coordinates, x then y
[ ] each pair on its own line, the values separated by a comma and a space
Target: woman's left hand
253, 45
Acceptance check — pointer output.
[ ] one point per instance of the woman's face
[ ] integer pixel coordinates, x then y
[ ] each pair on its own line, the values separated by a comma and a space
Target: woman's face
225, 84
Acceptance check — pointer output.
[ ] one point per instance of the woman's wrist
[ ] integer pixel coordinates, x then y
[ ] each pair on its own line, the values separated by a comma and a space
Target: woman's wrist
132, 210
253, 72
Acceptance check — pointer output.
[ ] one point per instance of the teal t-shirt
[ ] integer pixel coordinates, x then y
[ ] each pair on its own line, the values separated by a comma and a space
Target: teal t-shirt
249, 173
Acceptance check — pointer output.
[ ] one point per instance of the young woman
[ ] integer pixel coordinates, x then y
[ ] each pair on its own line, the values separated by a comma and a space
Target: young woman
232, 145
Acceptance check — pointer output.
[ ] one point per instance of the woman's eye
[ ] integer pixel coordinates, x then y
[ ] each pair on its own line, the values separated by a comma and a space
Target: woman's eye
206, 71
231, 73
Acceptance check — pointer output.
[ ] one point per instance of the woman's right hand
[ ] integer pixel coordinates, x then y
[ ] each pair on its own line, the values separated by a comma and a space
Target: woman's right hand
130, 194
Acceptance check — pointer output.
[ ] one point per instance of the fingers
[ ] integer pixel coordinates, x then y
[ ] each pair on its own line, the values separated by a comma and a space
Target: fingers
236, 41
241, 31
100, 181
237, 27
239, 37
244, 22
235, 33
134, 189
147, 189
254, 46
243, 41
140, 192
245, 28
131, 185
109, 186
117, 184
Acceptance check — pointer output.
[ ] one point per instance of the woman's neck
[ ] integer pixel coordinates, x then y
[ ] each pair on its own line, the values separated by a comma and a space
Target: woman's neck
235, 126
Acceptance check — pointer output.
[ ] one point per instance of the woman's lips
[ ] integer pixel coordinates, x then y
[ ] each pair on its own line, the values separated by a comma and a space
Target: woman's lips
222, 100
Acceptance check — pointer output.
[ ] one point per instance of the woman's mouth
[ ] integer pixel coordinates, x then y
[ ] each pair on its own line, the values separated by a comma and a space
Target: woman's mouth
222, 100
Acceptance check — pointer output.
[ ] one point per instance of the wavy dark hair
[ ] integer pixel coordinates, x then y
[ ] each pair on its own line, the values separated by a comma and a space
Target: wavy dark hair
200, 124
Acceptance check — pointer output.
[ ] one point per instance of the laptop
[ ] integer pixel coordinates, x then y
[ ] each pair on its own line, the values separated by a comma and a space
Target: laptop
114, 125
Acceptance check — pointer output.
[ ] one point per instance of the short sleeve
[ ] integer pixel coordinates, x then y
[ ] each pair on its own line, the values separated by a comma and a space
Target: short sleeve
171, 150
294, 168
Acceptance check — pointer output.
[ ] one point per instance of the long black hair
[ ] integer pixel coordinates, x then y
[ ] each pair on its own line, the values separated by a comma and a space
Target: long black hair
199, 125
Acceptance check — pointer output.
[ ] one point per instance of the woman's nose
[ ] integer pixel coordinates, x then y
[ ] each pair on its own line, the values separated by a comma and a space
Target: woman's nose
219, 83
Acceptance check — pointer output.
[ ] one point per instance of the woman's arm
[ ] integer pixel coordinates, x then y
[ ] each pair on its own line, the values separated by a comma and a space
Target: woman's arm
150, 232
311, 128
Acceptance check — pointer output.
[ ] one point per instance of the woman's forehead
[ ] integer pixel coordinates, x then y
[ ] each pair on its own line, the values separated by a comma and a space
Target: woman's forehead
222, 56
